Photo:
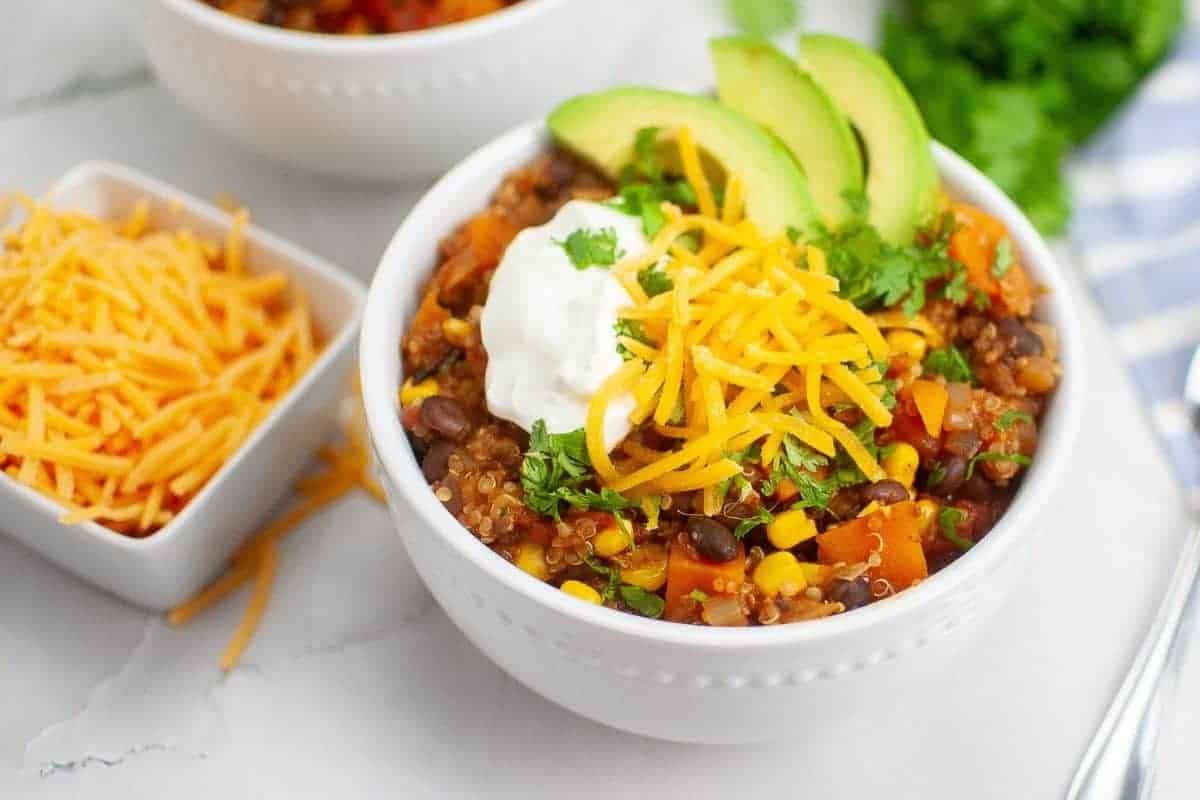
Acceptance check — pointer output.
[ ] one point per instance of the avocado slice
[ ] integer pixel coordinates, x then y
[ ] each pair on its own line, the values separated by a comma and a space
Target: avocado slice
758, 80
902, 181
601, 128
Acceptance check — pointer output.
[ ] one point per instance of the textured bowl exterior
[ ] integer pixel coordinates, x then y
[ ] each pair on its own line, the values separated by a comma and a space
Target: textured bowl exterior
680, 682
166, 568
387, 107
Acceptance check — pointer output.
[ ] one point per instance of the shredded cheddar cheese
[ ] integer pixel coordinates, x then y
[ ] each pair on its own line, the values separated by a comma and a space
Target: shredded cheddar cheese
135, 362
751, 344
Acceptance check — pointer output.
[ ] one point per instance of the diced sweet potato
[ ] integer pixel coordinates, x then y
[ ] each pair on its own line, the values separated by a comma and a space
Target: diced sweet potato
973, 244
893, 531
686, 573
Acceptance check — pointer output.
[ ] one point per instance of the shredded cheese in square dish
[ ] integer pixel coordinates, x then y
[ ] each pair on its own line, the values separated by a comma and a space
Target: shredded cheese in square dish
135, 362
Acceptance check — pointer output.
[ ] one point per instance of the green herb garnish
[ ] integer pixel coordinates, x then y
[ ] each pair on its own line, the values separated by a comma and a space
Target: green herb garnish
951, 363
948, 521
554, 471
1004, 258
592, 248
747, 524
1010, 418
648, 604
631, 329
612, 575
698, 595
990, 455
645, 184
654, 281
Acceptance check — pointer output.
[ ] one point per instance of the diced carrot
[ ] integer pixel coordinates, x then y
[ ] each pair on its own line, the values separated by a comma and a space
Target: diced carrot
931, 398
686, 573
893, 532
489, 235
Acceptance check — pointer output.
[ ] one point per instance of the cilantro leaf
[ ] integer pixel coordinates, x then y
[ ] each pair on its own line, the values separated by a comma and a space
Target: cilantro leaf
1004, 258
746, 524
1010, 418
951, 363
949, 519
648, 604
857, 202
955, 289
698, 595
611, 574
654, 281
991, 455
592, 248
631, 329
554, 471
764, 17
645, 185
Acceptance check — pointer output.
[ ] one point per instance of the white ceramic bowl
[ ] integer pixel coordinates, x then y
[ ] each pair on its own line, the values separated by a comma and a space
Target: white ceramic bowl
170, 565
682, 682
386, 107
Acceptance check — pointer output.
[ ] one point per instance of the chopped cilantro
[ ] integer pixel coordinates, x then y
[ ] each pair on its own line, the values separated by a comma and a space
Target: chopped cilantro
979, 299
873, 273
591, 248
611, 574
951, 363
747, 524
645, 184
1010, 418
554, 471
793, 233
948, 521
648, 604
991, 455
698, 595
955, 289
936, 474
632, 329
654, 281
1004, 258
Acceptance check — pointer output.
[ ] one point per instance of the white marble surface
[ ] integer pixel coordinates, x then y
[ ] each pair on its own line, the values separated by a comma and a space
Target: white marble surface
358, 686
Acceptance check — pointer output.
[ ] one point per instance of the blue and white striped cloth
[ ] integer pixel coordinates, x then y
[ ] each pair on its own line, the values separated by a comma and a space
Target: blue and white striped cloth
1137, 229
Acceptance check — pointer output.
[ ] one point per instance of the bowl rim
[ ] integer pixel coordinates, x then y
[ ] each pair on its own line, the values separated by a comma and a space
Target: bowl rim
257, 33
161, 193
400, 470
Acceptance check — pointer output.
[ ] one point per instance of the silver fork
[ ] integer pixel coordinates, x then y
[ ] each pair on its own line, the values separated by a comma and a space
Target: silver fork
1119, 762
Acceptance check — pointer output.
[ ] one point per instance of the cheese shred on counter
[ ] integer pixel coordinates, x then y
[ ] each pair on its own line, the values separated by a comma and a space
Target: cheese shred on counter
750, 342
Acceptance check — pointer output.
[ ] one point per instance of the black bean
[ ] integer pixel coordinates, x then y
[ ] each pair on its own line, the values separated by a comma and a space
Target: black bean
1020, 340
962, 443
436, 463
418, 446
979, 488
846, 503
445, 417
947, 475
712, 540
885, 492
852, 594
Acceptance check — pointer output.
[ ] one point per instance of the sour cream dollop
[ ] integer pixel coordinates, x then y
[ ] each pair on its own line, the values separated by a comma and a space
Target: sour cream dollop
548, 326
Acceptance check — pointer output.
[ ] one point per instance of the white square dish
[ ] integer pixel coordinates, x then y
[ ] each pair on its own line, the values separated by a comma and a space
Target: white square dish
168, 566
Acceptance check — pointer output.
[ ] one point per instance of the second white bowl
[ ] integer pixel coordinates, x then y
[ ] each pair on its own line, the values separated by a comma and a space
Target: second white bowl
388, 107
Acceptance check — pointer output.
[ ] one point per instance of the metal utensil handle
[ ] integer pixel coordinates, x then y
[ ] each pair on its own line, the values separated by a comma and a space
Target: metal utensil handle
1118, 761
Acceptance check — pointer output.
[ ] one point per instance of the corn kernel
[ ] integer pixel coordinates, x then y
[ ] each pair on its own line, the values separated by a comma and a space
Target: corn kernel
414, 393
908, 343
582, 591
650, 577
609, 542
816, 574
927, 512
531, 557
456, 330
790, 529
901, 463
777, 571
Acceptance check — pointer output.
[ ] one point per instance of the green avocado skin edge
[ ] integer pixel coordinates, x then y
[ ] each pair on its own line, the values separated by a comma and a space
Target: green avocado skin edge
756, 79
601, 128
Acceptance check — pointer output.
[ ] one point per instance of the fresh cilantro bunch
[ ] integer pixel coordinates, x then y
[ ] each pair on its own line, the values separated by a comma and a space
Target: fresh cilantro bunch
554, 471
875, 274
645, 184
1012, 85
